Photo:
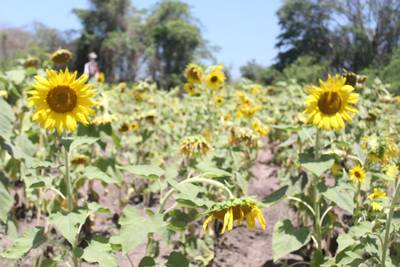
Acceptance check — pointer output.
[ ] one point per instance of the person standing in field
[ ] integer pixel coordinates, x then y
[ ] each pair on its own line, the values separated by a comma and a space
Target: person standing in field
92, 68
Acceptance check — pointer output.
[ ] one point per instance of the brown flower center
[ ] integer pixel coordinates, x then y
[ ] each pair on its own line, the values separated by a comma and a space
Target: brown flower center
329, 103
214, 79
61, 99
194, 75
357, 174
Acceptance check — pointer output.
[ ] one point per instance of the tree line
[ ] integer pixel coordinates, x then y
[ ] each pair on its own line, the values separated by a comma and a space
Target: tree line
316, 37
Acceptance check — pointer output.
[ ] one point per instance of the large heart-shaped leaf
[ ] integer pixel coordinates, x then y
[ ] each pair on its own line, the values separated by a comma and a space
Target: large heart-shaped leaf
32, 238
286, 238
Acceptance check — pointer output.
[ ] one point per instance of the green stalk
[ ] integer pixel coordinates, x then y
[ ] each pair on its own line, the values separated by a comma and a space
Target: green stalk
70, 197
386, 240
68, 182
163, 201
357, 201
317, 205
317, 147
317, 210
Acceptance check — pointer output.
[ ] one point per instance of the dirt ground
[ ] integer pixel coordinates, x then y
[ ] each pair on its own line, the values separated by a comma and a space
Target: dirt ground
238, 248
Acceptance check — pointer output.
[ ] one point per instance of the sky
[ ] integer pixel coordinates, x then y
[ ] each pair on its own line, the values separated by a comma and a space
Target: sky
243, 30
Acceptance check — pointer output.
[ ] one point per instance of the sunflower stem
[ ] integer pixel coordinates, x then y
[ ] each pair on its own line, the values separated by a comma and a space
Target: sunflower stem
196, 179
357, 201
68, 181
70, 199
317, 210
388, 224
317, 147
317, 205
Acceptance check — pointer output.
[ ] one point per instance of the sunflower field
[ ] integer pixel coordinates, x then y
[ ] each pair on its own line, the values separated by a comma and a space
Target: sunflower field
125, 174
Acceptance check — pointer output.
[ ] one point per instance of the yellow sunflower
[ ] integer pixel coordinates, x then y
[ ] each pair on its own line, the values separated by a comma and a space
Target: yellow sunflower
357, 174
330, 104
392, 171
235, 210
219, 100
376, 197
61, 56
259, 128
215, 79
193, 73
62, 100
190, 89
101, 78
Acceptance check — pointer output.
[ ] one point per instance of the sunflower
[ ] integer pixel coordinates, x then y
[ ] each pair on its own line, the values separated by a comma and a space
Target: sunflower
219, 100
80, 159
243, 136
392, 171
357, 174
259, 128
62, 100
215, 79
190, 89
235, 210
194, 145
376, 197
101, 78
330, 104
256, 89
31, 62
247, 110
124, 127
61, 56
193, 73
135, 126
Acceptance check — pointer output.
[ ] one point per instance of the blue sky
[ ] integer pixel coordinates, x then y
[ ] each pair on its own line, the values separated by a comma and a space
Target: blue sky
244, 30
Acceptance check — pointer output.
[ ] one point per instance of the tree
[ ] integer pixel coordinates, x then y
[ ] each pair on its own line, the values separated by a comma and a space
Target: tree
305, 31
109, 30
172, 40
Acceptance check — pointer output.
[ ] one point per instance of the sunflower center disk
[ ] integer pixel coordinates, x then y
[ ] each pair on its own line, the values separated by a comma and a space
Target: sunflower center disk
329, 103
194, 75
214, 79
61, 99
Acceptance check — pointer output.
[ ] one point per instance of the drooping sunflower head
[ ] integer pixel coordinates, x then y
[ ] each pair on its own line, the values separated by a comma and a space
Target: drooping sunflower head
243, 136
31, 62
381, 149
61, 100
194, 145
330, 104
193, 73
235, 210
215, 79
357, 174
61, 56
124, 127
80, 159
